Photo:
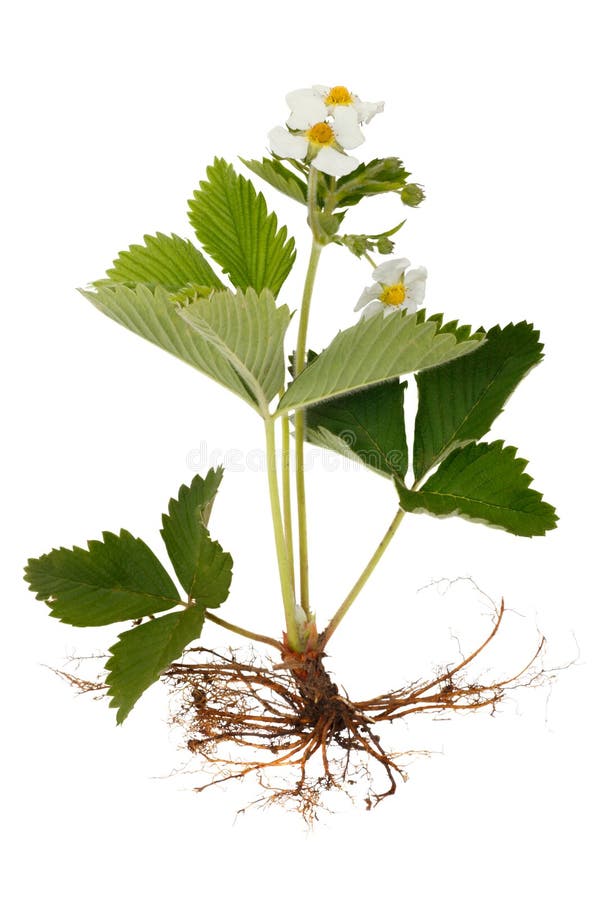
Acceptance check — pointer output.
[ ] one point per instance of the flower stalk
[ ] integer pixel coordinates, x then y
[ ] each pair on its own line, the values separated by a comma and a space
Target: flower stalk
299, 418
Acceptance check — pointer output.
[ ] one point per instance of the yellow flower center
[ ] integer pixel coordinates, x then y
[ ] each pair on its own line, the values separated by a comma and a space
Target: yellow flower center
339, 96
321, 134
394, 294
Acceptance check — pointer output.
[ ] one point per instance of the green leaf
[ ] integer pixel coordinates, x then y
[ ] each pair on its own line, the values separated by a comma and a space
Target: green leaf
278, 176
367, 426
203, 568
485, 483
247, 330
116, 579
142, 654
233, 225
369, 179
169, 261
378, 349
459, 401
152, 315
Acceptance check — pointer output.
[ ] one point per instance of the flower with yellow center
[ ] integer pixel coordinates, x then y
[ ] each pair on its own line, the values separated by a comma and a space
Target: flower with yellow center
321, 142
396, 288
320, 101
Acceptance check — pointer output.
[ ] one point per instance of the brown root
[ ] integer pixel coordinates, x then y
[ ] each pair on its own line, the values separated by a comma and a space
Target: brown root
244, 718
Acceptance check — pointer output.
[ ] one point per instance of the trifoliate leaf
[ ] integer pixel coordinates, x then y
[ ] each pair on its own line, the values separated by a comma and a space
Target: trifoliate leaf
279, 176
378, 349
142, 654
115, 579
247, 330
367, 426
376, 177
459, 401
485, 483
162, 260
152, 315
201, 565
234, 226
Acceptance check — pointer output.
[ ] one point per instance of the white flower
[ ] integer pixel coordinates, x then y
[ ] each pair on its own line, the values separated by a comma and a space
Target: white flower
321, 101
318, 141
395, 288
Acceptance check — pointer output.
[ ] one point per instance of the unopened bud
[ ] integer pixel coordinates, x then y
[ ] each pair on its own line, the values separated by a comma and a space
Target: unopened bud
412, 194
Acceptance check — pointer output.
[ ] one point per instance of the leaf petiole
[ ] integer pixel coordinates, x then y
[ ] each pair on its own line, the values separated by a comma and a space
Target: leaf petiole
281, 547
364, 577
252, 635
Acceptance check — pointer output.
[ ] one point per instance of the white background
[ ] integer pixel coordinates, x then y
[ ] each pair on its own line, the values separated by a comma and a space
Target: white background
113, 111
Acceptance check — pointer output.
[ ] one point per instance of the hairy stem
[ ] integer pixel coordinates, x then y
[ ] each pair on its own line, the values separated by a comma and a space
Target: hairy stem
283, 561
299, 418
364, 577
286, 490
252, 635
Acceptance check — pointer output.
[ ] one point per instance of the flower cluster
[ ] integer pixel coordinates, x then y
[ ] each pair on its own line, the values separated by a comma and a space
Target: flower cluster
324, 122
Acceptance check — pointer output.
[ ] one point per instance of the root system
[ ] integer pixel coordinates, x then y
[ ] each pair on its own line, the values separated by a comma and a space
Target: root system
288, 723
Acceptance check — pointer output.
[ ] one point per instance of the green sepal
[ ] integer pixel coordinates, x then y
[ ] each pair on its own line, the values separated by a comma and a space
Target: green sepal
233, 224
484, 483
365, 426
459, 401
116, 579
142, 654
202, 567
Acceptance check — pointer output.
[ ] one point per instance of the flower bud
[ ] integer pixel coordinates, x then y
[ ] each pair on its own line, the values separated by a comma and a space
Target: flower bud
412, 194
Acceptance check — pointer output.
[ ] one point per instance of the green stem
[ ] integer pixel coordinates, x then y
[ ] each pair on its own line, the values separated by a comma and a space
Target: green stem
299, 423
367, 571
285, 577
243, 631
286, 490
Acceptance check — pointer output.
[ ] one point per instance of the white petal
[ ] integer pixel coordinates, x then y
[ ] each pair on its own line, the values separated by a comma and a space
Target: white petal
372, 310
345, 127
391, 271
321, 89
288, 145
415, 292
307, 108
366, 111
373, 292
332, 162
389, 309
418, 274
410, 305
294, 96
